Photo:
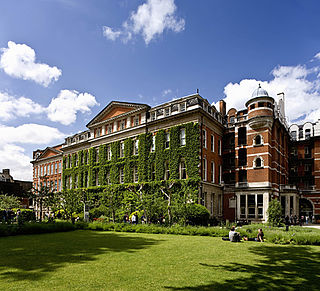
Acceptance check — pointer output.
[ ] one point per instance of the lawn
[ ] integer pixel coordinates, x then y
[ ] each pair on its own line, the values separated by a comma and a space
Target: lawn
94, 260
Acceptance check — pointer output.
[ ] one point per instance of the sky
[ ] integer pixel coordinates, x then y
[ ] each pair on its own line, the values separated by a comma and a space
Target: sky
63, 61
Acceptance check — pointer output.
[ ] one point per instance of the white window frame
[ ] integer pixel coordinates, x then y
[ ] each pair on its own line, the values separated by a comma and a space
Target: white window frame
212, 143
183, 136
213, 172
219, 147
136, 147
181, 169
153, 146
121, 175
167, 141
204, 169
204, 138
121, 149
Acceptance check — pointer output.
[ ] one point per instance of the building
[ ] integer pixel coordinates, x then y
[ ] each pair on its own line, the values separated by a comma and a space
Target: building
305, 165
17, 188
240, 158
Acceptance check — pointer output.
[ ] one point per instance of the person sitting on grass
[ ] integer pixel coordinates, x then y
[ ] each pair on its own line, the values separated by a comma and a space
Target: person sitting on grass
260, 235
233, 235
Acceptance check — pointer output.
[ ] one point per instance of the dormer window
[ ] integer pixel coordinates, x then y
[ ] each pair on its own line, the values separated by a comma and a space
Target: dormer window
109, 130
167, 111
182, 107
136, 121
122, 125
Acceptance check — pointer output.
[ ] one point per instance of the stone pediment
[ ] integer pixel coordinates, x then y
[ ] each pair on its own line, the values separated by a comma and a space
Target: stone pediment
116, 109
49, 152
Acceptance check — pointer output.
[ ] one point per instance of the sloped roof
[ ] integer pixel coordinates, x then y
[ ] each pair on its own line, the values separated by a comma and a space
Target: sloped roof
116, 108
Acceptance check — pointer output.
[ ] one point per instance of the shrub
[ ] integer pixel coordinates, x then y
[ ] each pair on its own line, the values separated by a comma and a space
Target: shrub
274, 213
197, 214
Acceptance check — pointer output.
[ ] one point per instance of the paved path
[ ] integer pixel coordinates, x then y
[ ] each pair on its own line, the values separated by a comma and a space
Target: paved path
313, 225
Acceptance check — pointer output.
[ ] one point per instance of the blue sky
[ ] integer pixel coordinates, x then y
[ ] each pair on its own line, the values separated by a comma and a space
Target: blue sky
80, 55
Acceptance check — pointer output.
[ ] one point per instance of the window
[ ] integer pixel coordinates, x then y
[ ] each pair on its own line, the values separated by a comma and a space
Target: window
231, 119
204, 138
97, 155
122, 125
97, 178
167, 111
258, 140
135, 174
251, 206
121, 176
166, 170
109, 129
182, 107
220, 174
109, 152
219, 147
242, 136
213, 180
211, 203
258, 163
76, 160
121, 149
153, 146
153, 116
260, 104
136, 121
242, 160
167, 143
204, 171
56, 167
252, 106
212, 143
183, 172
136, 147
307, 133
182, 136
307, 152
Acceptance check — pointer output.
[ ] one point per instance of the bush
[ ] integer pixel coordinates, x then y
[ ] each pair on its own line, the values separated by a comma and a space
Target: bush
36, 228
197, 214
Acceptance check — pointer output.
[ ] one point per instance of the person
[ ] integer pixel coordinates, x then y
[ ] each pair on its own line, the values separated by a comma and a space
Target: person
307, 219
134, 219
260, 235
233, 235
125, 218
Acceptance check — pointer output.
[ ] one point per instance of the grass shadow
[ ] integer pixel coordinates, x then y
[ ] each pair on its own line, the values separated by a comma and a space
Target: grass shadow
277, 267
33, 257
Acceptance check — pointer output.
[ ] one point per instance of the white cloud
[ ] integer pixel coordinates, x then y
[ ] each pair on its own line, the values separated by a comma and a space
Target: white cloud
166, 92
317, 56
300, 85
13, 156
150, 20
11, 107
64, 108
19, 61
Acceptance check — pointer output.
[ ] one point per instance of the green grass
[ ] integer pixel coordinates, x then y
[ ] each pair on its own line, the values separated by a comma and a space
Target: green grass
94, 260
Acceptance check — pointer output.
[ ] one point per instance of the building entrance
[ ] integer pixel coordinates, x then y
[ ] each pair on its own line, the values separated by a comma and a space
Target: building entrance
306, 208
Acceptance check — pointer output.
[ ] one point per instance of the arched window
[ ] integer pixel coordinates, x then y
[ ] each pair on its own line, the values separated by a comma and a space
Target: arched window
258, 140
258, 162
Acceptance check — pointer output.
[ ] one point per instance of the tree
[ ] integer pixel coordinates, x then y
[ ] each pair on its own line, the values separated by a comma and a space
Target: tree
9, 202
43, 197
70, 201
274, 213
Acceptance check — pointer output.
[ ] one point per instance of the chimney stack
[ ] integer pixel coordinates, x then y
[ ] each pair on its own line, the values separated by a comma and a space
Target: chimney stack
222, 107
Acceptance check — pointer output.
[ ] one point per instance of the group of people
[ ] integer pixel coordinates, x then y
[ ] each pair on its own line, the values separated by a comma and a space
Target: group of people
134, 219
8, 215
235, 236
295, 220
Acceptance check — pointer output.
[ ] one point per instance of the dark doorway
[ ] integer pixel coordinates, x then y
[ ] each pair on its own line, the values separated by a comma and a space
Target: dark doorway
306, 208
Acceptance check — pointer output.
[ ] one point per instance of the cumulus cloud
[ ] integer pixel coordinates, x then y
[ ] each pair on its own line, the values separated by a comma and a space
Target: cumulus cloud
150, 20
64, 108
19, 61
12, 107
299, 83
317, 56
14, 156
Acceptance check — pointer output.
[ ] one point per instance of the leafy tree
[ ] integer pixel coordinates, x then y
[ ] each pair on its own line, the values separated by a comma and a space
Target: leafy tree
43, 197
274, 213
9, 202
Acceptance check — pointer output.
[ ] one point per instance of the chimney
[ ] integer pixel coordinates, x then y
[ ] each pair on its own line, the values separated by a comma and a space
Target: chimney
6, 172
222, 107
